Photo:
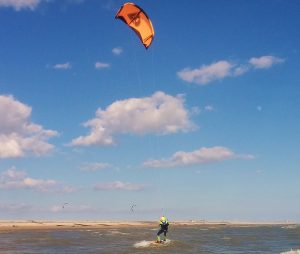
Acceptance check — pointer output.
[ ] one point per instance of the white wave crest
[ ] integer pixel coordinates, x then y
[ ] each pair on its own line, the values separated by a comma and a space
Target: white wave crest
291, 252
143, 244
146, 244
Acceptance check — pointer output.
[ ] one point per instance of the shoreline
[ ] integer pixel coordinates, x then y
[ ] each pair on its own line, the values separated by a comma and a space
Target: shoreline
76, 224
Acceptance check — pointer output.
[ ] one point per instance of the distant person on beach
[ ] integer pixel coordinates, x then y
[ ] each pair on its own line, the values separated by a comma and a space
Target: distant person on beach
164, 224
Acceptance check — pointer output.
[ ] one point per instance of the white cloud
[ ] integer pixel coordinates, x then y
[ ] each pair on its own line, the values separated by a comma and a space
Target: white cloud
94, 166
117, 51
265, 62
197, 110
201, 156
19, 136
62, 66
13, 174
240, 70
20, 4
159, 113
118, 185
209, 108
207, 73
14, 179
101, 65
222, 69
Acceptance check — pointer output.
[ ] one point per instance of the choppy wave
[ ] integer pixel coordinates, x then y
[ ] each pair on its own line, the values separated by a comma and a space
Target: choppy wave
291, 252
226, 239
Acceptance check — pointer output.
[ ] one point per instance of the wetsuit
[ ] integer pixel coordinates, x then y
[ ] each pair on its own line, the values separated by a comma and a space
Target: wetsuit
163, 229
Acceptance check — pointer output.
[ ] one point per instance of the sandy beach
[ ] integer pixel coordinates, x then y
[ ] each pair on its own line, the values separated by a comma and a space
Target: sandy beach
41, 224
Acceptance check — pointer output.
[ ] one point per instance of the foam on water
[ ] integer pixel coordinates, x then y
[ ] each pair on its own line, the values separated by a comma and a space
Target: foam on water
290, 227
97, 233
147, 244
143, 244
291, 252
116, 232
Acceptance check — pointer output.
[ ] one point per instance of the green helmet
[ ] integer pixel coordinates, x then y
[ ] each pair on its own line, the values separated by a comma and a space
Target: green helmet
163, 219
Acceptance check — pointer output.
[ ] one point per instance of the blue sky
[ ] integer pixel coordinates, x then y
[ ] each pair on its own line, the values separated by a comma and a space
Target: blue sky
202, 125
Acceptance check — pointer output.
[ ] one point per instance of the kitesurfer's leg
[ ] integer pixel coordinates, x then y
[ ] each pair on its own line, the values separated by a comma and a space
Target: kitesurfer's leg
158, 233
158, 239
165, 235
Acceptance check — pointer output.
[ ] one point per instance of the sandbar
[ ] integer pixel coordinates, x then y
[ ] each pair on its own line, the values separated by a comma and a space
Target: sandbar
43, 224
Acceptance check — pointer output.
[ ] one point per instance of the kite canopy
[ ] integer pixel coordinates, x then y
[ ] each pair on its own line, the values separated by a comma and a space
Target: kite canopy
138, 20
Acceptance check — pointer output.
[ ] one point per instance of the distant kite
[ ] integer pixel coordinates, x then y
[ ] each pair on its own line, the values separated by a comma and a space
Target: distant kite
138, 21
132, 207
64, 204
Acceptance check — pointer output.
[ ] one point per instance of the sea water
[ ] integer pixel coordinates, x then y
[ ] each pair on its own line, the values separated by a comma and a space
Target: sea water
181, 239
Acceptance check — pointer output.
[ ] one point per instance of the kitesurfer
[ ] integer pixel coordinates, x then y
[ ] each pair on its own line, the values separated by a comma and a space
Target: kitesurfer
164, 224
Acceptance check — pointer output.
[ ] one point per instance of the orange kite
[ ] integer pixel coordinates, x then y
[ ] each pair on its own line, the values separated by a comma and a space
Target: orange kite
138, 20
